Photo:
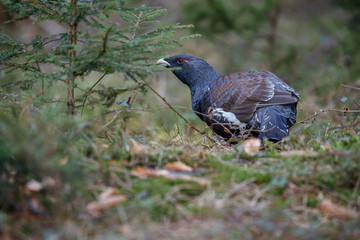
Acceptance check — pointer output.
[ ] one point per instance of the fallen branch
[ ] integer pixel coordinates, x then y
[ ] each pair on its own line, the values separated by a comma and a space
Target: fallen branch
351, 87
326, 110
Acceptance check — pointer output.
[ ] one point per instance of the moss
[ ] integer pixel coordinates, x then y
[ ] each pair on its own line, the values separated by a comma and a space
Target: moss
224, 173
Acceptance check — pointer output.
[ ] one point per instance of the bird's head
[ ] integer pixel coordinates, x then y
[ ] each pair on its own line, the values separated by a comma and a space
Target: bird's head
189, 69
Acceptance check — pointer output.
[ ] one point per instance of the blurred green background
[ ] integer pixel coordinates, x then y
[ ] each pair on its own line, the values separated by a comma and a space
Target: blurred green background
311, 45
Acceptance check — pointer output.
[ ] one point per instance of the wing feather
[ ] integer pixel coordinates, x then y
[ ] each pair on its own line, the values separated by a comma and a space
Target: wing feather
242, 93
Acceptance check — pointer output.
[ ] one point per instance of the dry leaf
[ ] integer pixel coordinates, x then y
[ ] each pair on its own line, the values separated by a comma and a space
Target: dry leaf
33, 186
336, 210
142, 172
48, 182
171, 175
178, 166
251, 146
64, 160
138, 148
108, 198
298, 153
108, 192
95, 208
126, 229
106, 146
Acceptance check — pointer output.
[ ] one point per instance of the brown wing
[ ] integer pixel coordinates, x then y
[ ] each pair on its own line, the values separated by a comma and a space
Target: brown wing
242, 93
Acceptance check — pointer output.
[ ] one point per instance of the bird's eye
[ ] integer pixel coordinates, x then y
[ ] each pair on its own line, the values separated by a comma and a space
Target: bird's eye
181, 60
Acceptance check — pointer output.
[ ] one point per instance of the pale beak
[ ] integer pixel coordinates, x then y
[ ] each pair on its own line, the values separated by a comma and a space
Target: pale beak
162, 61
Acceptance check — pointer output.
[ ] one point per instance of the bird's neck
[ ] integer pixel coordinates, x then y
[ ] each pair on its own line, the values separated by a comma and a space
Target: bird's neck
200, 86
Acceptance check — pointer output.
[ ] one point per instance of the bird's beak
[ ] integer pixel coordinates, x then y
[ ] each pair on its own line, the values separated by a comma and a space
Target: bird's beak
162, 61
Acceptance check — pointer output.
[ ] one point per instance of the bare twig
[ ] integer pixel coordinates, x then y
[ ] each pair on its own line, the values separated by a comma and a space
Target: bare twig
351, 87
175, 111
356, 103
87, 93
24, 66
326, 110
356, 190
357, 123
111, 121
131, 98
129, 102
105, 42
42, 79
258, 195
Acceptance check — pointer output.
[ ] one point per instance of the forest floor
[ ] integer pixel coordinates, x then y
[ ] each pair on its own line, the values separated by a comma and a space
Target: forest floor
307, 190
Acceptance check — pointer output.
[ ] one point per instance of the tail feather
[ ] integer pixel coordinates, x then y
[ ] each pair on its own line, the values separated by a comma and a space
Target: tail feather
276, 120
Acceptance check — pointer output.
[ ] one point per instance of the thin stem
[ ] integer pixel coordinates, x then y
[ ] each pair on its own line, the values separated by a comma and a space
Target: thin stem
351, 87
326, 110
42, 81
174, 110
87, 93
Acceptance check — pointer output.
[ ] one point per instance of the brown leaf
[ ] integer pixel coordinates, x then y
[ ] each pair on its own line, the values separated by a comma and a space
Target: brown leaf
108, 198
64, 160
171, 175
95, 208
178, 166
138, 148
48, 182
251, 146
337, 211
184, 158
110, 191
142, 172
105, 146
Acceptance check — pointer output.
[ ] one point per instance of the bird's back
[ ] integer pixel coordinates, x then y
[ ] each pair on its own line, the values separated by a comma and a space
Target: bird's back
249, 100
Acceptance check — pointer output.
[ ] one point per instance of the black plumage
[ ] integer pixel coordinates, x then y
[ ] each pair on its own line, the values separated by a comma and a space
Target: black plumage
255, 102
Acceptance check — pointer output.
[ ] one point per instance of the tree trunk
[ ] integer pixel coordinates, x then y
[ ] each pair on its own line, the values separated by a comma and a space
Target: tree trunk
71, 82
